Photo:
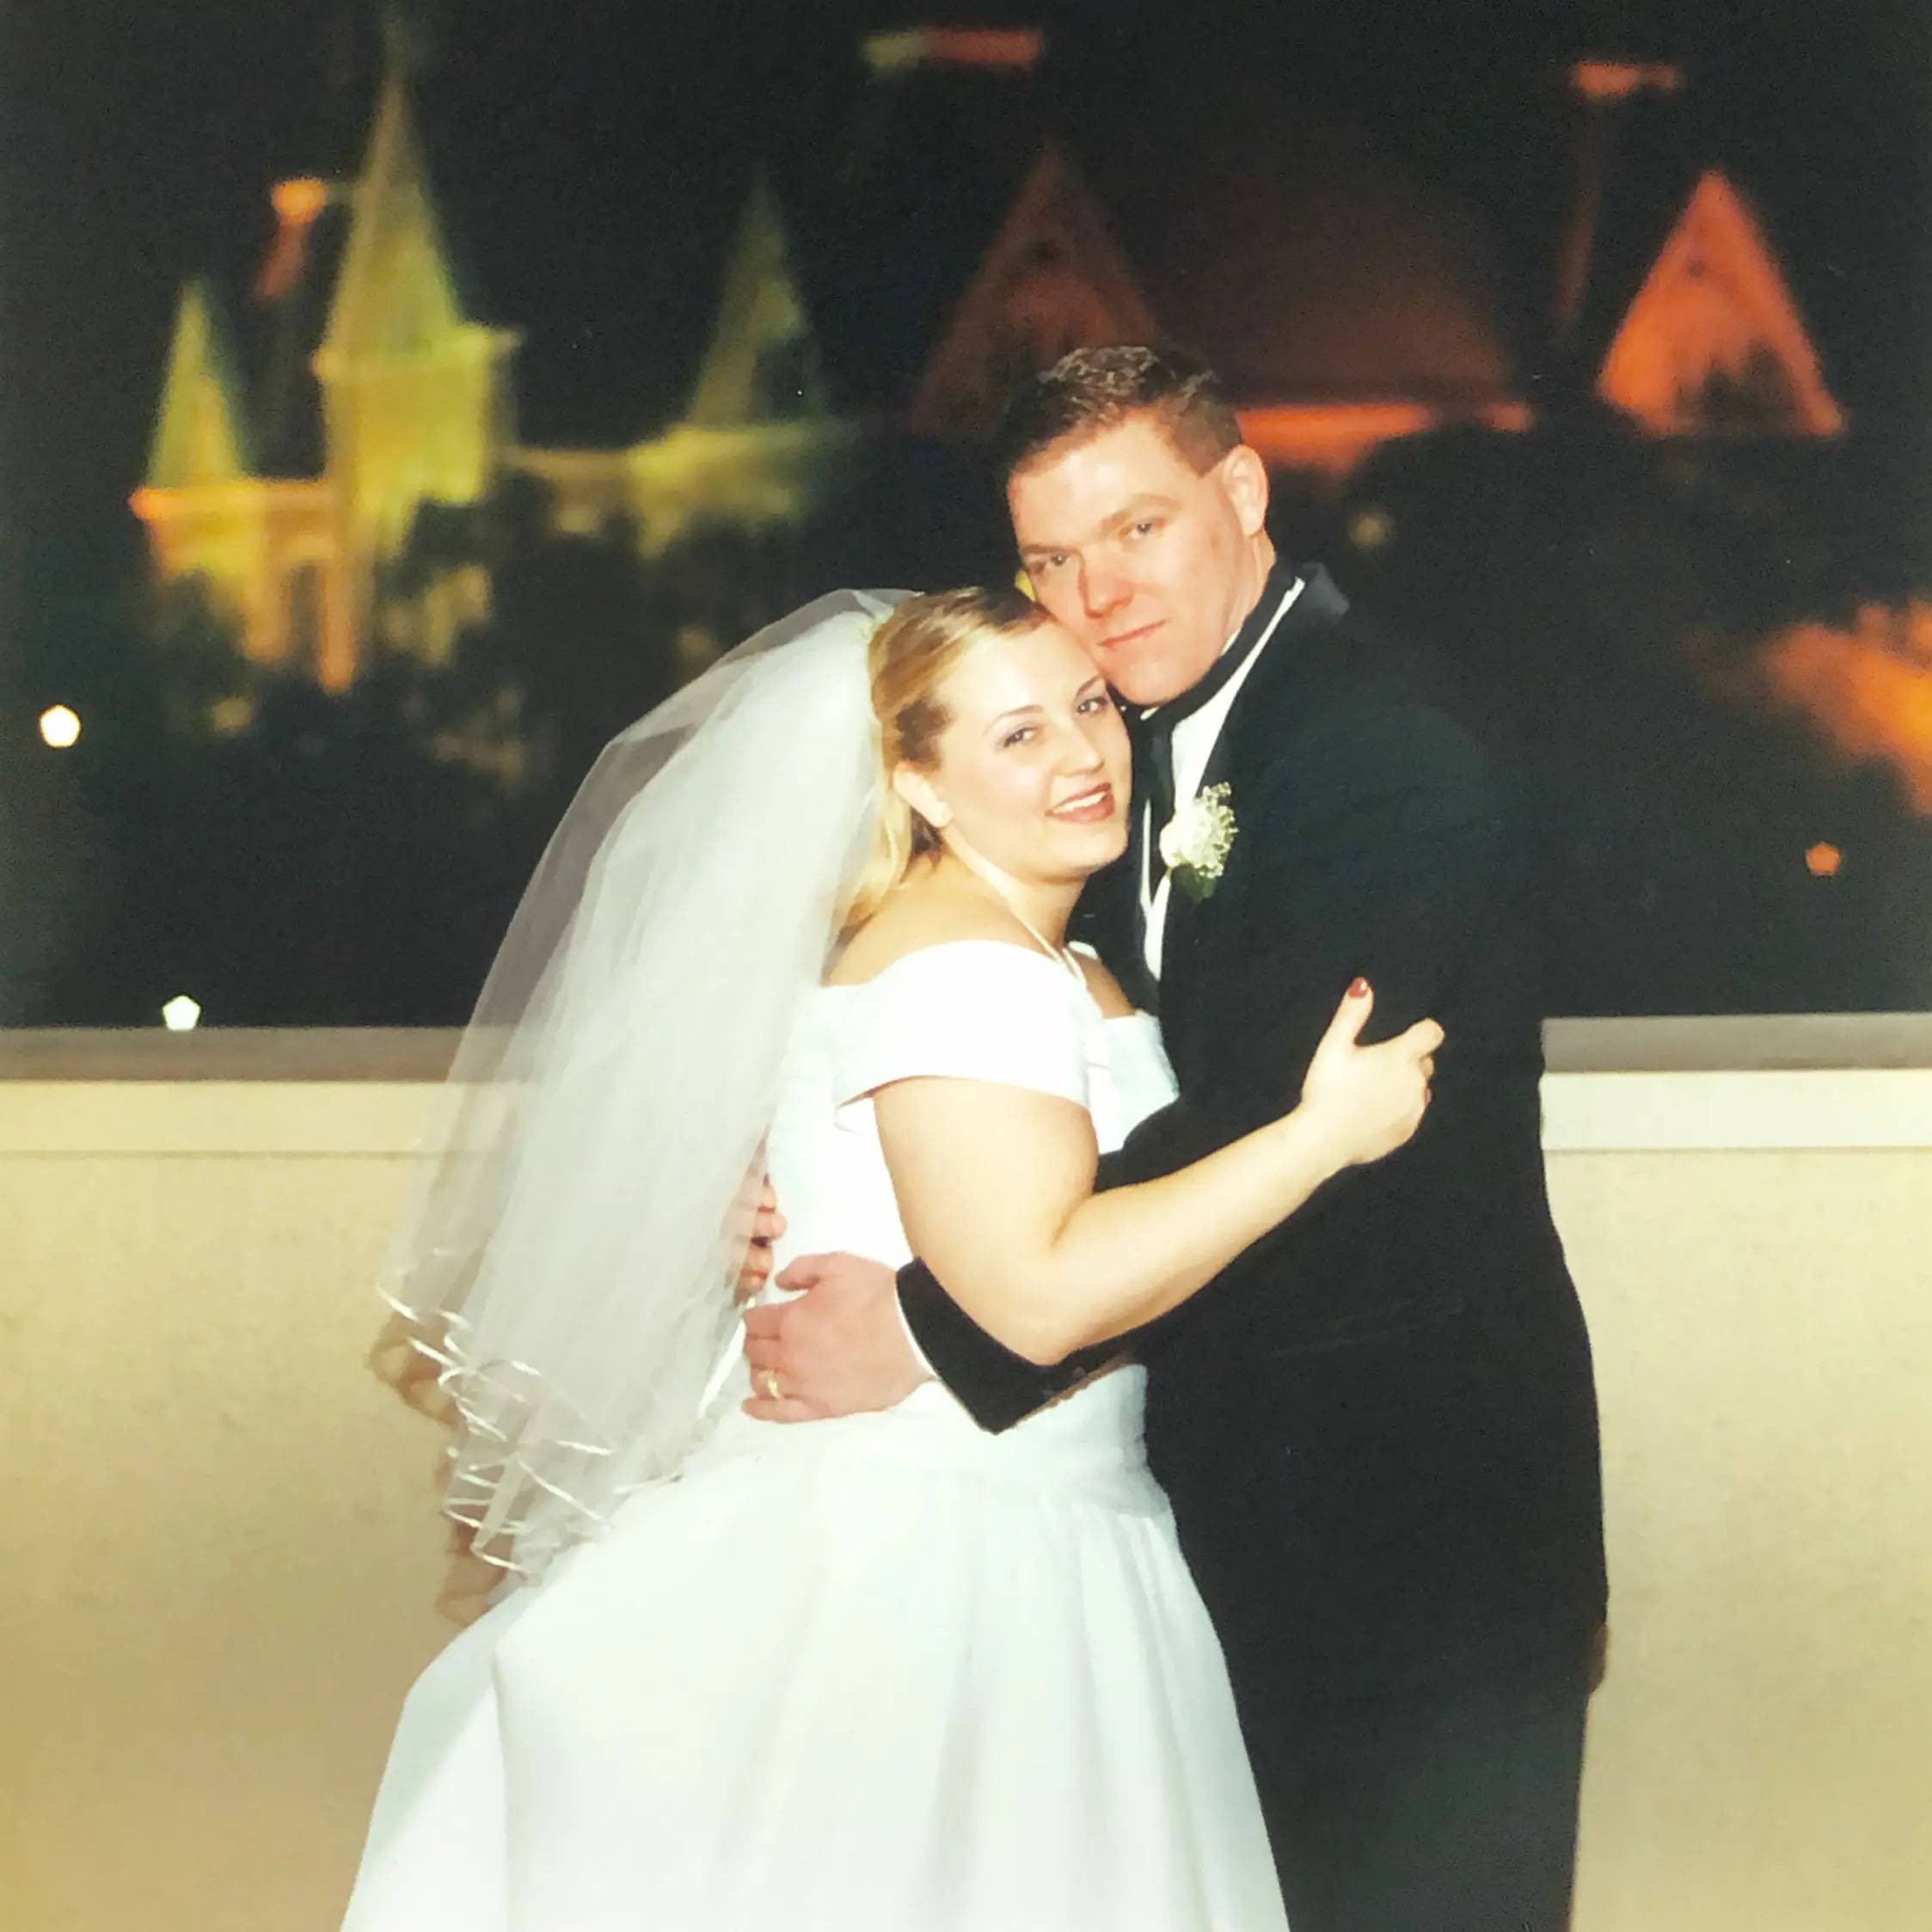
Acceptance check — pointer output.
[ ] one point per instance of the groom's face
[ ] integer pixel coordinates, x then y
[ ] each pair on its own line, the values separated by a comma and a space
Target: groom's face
1150, 563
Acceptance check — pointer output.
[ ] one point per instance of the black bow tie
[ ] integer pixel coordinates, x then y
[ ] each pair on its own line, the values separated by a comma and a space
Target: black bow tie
1155, 731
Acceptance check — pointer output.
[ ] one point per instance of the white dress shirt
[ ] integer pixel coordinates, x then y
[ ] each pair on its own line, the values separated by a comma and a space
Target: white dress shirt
1195, 740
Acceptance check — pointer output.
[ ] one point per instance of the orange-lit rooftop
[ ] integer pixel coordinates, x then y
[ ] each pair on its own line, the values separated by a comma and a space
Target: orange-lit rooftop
1601, 81
991, 49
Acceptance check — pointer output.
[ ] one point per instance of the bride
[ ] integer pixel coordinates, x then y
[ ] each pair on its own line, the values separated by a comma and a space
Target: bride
890, 1671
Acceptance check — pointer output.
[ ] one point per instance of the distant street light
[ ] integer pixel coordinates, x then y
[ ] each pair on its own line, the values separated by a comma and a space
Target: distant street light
1370, 528
181, 1014
59, 726
1823, 861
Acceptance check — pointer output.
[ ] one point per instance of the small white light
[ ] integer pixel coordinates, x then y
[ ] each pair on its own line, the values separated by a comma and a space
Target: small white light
59, 726
181, 1014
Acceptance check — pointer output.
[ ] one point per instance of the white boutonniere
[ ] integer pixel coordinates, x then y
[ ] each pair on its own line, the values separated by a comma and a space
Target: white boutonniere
1196, 840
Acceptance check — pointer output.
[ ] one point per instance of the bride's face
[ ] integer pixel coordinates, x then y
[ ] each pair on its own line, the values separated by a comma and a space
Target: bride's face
1033, 770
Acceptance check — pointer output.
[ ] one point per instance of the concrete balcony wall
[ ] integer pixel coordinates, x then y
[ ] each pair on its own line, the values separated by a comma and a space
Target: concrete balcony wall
221, 1545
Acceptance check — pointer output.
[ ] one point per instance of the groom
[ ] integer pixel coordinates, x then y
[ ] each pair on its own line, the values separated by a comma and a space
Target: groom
1378, 1427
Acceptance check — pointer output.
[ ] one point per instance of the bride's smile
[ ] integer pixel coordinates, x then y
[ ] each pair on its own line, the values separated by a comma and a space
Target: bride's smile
1090, 806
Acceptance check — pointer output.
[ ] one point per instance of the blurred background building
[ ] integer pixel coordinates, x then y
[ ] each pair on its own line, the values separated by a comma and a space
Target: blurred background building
515, 367
380, 374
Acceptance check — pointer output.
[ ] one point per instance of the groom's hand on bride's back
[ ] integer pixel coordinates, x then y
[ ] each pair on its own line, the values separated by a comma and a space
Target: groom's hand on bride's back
841, 1348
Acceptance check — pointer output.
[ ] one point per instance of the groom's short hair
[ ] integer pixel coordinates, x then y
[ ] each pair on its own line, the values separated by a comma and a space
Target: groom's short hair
1092, 390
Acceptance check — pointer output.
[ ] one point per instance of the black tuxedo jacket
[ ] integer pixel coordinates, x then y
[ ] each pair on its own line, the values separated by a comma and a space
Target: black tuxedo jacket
1378, 1427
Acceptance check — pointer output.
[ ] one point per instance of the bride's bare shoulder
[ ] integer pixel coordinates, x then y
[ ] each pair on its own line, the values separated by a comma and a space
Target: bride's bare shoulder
917, 916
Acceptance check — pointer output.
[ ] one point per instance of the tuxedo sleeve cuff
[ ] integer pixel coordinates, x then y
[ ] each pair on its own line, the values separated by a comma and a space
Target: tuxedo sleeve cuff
995, 1386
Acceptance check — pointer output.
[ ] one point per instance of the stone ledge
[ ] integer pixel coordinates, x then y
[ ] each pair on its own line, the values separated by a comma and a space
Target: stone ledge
1725, 1043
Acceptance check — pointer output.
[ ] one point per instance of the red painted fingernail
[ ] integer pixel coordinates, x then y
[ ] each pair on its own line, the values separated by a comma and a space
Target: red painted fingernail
1359, 990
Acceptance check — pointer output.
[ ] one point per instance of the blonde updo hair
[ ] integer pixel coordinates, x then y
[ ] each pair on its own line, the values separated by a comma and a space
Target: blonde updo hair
911, 655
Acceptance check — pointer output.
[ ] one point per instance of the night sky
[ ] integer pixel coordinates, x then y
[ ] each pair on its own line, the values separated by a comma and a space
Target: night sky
139, 139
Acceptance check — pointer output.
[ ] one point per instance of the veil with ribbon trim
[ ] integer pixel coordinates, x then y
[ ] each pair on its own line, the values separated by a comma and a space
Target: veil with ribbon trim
563, 1279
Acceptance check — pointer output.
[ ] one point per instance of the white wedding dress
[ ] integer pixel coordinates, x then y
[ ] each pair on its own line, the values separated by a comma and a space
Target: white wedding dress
884, 1674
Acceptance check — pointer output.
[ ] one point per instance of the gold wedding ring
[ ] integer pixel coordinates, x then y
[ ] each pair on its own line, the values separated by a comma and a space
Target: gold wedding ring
771, 1388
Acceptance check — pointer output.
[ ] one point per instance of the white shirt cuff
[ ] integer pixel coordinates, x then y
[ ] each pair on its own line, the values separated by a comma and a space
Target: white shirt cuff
911, 1340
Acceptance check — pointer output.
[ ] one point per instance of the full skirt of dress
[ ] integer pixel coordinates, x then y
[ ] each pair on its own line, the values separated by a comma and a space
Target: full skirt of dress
885, 1672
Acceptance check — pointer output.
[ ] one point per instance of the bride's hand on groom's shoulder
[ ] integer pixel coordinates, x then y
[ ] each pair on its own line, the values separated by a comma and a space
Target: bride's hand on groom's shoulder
840, 1348
1369, 1100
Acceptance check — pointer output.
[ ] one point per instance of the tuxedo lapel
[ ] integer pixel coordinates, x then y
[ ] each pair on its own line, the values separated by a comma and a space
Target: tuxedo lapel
1241, 749
1269, 693
1111, 918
